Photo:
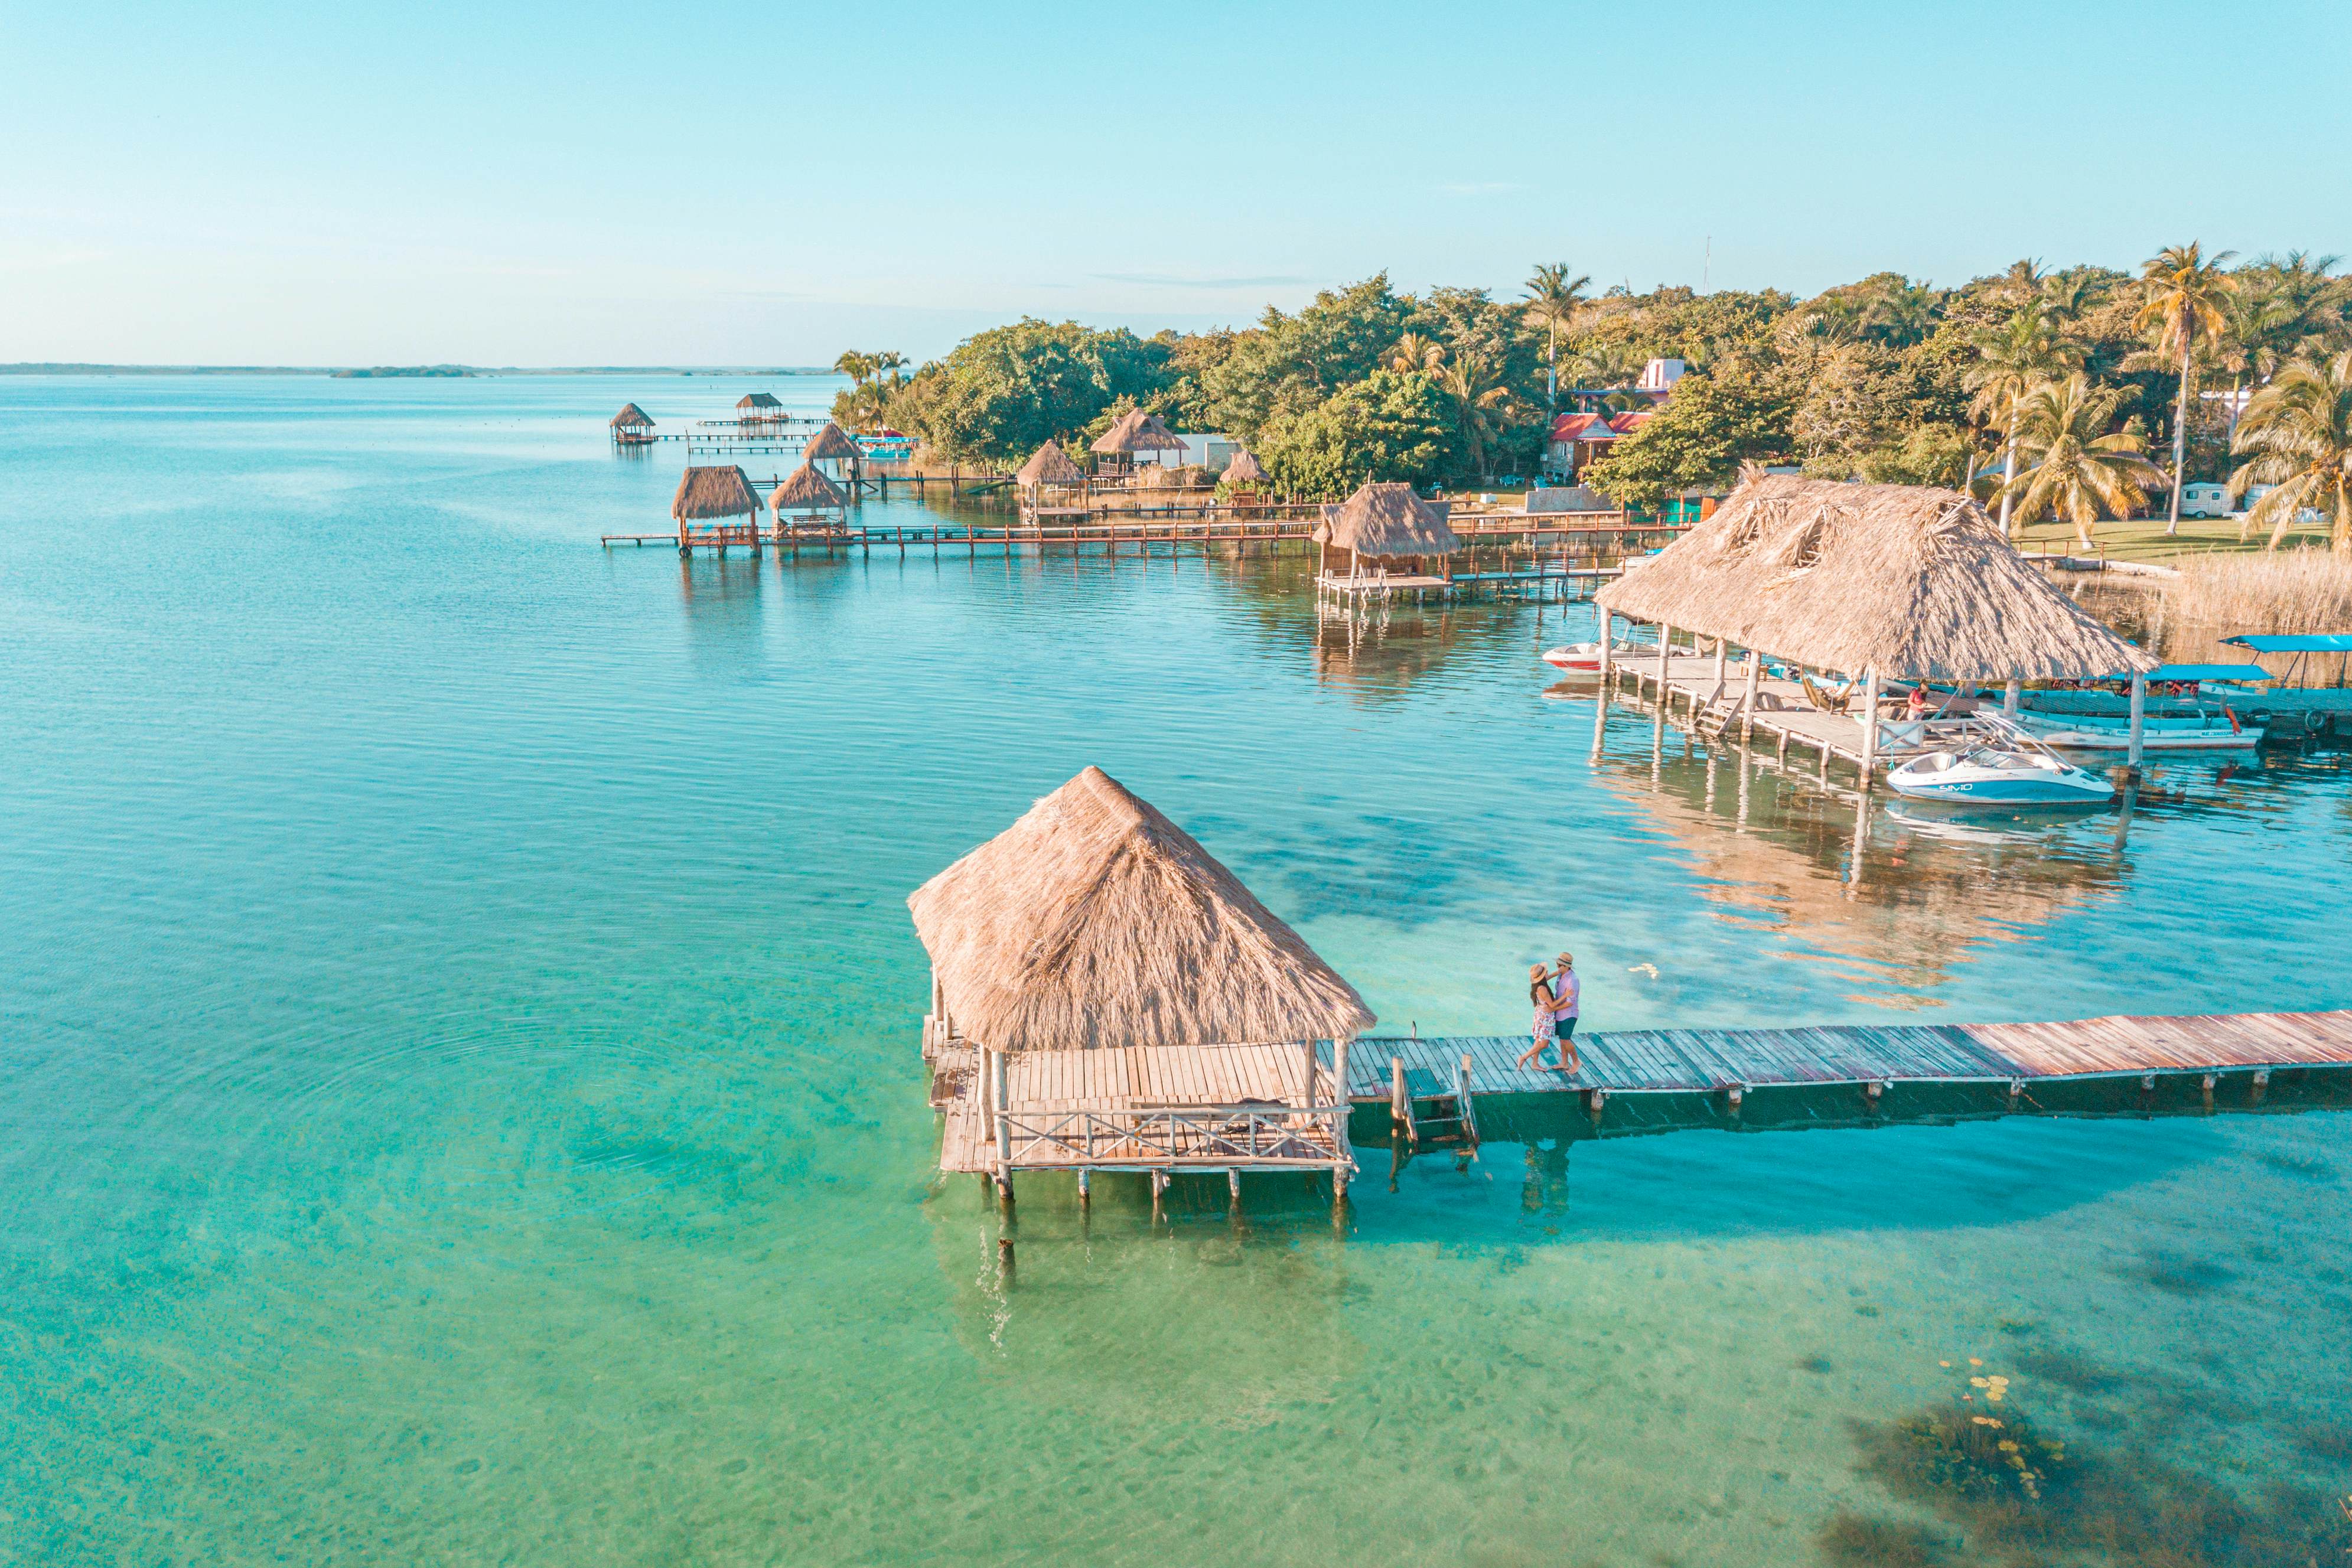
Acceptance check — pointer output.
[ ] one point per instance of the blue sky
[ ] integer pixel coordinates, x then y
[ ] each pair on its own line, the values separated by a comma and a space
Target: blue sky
773, 183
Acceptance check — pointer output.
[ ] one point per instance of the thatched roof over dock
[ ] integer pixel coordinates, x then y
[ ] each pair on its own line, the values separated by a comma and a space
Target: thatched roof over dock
1907, 579
806, 490
831, 442
1243, 469
751, 402
1138, 432
1049, 464
721, 492
631, 417
1388, 519
1095, 921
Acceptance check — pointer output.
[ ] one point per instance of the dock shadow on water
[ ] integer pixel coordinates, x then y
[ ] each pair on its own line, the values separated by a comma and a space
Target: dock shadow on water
1232, 1312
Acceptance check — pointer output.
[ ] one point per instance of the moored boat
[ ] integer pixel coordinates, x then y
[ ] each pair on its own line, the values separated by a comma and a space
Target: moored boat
2207, 730
1587, 655
1994, 775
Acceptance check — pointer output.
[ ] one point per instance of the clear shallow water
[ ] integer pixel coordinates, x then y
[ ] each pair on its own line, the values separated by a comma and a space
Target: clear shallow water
458, 1097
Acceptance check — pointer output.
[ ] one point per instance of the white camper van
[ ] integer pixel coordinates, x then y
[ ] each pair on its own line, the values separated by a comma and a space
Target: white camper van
2204, 500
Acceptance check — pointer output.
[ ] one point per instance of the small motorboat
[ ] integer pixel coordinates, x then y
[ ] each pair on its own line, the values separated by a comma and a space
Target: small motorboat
1994, 762
1587, 655
2206, 729
2002, 776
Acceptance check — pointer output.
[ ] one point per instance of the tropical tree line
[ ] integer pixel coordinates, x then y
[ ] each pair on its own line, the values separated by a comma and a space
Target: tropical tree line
2071, 395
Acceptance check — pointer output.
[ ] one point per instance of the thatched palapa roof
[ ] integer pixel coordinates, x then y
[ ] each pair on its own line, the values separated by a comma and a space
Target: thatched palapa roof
1388, 518
759, 401
631, 417
805, 490
1243, 469
1095, 921
1138, 432
1049, 464
831, 442
1907, 579
721, 492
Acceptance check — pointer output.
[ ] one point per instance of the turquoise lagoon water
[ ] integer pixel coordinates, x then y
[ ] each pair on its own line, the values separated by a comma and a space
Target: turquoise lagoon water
459, 1100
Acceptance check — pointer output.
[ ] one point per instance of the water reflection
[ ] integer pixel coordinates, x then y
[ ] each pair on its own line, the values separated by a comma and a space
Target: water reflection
1228, 1313
1891, 895
720, 595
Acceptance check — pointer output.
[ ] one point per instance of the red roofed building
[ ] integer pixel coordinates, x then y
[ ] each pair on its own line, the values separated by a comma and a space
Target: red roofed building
1576, 439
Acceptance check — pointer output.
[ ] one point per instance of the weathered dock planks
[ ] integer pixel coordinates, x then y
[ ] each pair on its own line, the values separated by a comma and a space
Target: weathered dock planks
1634, 1061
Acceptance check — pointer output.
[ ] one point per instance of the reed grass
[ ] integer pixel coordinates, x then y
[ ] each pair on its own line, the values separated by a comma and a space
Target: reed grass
2286, 593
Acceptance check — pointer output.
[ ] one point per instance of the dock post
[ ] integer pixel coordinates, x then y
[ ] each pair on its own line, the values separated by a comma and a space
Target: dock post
1747, 702
1085, 1195
2262, 1082
1869, 725
2009, 696
1346, 1155
1159, 1186
1600, 697
1003, 1103
1400, 1098
2139, 721
1666, 638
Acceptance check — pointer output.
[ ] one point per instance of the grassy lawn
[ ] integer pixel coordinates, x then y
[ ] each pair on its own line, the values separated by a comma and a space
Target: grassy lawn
2143, 539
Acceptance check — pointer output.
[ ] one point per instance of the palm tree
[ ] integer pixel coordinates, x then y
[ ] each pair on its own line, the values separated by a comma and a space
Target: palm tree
1415, 352
2259, 323
2077, 468
2181, 293
1470, 382
2299, 430
2012, 358
1555, 301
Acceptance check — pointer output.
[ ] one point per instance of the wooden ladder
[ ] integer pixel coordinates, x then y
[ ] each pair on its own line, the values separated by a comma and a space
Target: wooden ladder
1430, 1111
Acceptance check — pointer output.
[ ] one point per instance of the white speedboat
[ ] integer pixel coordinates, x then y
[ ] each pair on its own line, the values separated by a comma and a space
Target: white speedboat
2205, 730
1996, 775
1587, 655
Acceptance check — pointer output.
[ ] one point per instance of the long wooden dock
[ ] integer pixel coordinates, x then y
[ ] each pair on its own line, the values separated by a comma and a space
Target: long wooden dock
1652, 1061
1169, 1110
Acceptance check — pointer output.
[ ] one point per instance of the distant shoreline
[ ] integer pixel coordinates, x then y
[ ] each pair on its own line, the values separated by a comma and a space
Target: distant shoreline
406, 372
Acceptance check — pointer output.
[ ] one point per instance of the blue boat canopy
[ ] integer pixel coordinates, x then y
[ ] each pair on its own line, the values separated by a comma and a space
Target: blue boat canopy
2317, 643
2205, 672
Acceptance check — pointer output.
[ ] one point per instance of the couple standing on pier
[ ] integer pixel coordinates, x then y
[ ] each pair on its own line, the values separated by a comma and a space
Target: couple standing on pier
1555, 993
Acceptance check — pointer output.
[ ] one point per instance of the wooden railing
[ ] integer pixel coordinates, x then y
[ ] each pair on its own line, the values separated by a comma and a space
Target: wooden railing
1213, 1135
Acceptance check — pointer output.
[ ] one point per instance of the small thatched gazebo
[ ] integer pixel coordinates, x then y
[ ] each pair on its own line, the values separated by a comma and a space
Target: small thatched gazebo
711, 497
1049, 468
632, 426
1379, 524
810, 497
1875, 582
834, 446
1096, 925
1243, 479
1136, 432
753, 406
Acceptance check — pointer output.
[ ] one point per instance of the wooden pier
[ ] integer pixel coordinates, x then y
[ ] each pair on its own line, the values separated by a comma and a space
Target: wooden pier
1873, 1058
1171, 1110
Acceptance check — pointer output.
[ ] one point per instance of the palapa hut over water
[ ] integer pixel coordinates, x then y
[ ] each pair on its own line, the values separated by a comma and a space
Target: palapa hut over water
833, 452
709, 497
1049, 468
1243, 470
754, 406
1135, 433
808, 496
1131, 1004
1874, 582
1381, 524
632, 426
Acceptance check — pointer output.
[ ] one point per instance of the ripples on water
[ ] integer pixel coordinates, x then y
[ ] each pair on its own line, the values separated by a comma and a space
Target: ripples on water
457, 1094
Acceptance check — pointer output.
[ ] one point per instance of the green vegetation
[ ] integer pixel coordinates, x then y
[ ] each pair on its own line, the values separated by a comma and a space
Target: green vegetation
2020, 1495
2046, 391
